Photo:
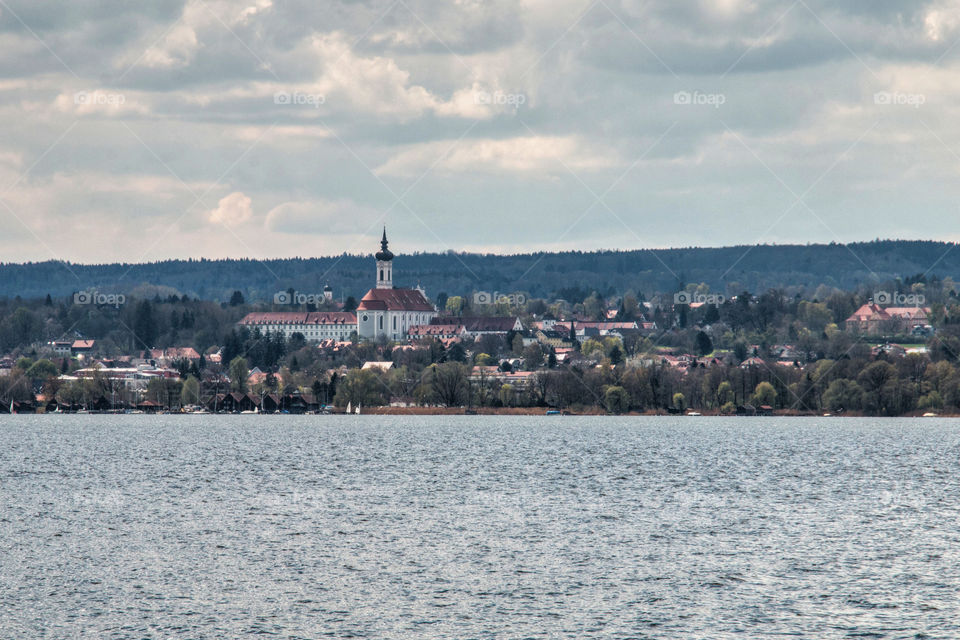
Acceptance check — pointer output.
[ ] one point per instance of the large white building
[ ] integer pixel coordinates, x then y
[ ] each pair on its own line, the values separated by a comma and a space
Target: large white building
316, 326
389, 311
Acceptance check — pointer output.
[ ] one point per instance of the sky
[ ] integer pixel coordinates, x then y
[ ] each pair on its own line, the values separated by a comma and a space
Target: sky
141, 131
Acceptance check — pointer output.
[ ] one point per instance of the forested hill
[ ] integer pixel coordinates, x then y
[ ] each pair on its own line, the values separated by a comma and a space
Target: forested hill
752, 268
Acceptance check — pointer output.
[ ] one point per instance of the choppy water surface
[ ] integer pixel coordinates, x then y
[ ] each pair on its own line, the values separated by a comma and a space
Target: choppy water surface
478, 527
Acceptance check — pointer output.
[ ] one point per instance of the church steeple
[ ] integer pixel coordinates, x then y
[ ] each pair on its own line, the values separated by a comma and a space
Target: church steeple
384, 254
384, 264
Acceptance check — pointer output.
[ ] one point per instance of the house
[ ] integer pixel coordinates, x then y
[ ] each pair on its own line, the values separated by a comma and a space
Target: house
752, 361
257, 376
379, 365
872, 319
494, 374
233, 402
386, 311
61, 347
554, 339
172, 355
79, 347
892, 350
439, 331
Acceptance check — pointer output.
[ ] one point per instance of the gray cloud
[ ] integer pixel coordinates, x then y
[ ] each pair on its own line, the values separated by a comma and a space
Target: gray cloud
499, 124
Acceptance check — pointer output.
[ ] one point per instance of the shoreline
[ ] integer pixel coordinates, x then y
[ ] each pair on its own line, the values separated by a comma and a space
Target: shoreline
509, 411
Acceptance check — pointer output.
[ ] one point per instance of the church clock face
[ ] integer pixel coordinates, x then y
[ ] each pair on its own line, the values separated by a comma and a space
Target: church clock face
364, 317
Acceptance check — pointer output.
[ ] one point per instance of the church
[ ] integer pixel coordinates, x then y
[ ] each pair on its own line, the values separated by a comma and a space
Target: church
389, 311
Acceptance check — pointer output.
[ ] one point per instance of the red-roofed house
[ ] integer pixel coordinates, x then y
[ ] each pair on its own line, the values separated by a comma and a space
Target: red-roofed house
82, 346
872, 319
440, 331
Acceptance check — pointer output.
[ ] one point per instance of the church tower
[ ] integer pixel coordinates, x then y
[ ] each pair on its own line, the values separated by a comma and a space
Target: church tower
384, 264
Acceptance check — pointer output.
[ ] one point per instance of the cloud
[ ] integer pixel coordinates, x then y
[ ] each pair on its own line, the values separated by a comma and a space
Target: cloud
195, 82
527, 154
232, 209
320, 217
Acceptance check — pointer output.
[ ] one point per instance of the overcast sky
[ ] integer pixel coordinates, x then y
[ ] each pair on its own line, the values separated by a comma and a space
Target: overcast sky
255, 128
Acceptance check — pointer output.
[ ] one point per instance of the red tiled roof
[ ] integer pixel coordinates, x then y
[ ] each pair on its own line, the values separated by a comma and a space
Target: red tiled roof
394, 300
907, 313
435, 329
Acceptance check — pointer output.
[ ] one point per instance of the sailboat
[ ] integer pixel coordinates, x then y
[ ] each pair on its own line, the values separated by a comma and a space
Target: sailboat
357, 410
349, 408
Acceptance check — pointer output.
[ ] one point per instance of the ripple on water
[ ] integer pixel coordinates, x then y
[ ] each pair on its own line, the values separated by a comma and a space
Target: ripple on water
477, 527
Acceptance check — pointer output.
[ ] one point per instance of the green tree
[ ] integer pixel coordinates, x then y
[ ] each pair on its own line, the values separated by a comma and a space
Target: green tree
616, 399
724, 393
450, 383
764, 394
679, 401
532, 357
932, 400
239, 372
843, 395
144, 326
704, 343
42, 369
190, 390
455, 305
360, 387
507, 394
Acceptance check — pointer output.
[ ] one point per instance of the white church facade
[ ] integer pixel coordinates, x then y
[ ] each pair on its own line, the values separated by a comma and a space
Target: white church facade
389, 311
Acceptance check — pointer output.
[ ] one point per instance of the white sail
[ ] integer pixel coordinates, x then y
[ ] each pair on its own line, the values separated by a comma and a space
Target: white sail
349, 407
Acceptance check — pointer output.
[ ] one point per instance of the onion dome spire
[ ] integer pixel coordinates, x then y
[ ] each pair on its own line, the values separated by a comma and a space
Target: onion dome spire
384, 255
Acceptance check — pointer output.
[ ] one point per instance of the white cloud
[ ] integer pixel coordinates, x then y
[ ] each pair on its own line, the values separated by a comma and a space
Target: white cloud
521, 154
232, 209
320, 217
86, 102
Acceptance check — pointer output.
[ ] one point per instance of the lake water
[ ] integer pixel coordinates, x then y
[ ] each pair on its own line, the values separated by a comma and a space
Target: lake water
478, 527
